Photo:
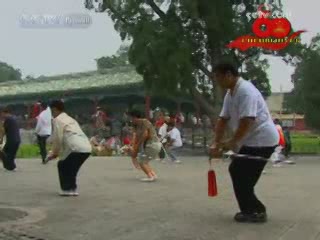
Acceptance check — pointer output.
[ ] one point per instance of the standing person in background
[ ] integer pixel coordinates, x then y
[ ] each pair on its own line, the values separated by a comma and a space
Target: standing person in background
36, 109
288, 145
175, 142
73, 146
100, 118
44, 129
159, 120
163, 134
179, 120
13, 140
277, 156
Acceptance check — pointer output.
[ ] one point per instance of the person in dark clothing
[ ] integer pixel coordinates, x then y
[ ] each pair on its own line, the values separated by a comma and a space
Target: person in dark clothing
13, 140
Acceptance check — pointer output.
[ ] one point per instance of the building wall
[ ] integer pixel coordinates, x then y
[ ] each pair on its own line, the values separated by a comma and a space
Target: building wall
275, 102
300, 125
275, 105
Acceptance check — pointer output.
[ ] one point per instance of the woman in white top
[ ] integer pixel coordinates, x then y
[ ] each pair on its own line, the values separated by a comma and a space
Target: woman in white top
71, 144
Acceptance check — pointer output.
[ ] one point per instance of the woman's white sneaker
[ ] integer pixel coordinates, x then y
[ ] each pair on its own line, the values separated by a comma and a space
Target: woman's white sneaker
148, 179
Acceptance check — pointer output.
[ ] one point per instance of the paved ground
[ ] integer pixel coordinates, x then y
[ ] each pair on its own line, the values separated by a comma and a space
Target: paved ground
114, 205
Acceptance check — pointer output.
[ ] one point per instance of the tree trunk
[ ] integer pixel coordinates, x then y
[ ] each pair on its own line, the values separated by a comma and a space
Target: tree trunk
205, 105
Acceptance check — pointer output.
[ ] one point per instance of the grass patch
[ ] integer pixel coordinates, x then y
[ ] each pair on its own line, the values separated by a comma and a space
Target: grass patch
305, 144
301, 144
28, 151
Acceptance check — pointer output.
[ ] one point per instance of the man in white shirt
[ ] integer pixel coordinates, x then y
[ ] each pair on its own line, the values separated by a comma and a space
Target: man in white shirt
254, 134
44, 129
163, 134
175, 142
73, 146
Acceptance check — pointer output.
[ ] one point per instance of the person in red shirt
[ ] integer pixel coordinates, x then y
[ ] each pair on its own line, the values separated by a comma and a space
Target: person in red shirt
160, 121
282, 141
36, 109
276, 156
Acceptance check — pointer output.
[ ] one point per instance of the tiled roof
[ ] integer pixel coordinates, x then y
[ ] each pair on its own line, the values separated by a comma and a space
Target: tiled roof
73, 82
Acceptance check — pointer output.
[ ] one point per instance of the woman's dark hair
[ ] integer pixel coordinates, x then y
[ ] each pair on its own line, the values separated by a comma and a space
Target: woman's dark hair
225, 68
57, 104
135, 113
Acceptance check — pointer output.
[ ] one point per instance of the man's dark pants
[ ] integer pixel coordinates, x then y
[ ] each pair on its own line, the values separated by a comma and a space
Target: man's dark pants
8, 155
42, 142
69, 168
287, 150
245, 173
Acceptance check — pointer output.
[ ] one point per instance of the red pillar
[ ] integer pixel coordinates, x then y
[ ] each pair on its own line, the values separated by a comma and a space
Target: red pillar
147, 105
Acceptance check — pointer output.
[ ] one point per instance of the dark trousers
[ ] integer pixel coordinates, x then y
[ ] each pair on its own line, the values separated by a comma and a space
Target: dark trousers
68, 170
245, 173
42, 142
8, 155
162, 153
287, 150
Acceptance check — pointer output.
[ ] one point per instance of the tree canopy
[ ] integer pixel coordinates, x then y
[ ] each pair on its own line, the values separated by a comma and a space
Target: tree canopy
120, 59
9, 73
305, 97
174, 44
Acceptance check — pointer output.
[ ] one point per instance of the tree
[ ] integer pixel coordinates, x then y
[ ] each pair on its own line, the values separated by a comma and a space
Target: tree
175, 44
118, 60
9, 73
305, 97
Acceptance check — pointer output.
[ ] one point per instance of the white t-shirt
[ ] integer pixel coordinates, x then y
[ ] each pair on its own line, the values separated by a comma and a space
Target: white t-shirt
44, 123
175, 135
247, 101
163, 132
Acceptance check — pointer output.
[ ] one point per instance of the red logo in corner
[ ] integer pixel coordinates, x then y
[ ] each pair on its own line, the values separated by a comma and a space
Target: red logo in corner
269, 33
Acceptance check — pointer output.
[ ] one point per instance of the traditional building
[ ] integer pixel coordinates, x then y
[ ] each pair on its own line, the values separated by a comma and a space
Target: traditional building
115, 90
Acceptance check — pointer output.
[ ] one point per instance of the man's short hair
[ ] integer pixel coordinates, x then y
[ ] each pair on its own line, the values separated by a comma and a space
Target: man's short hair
44, 105
135, 113
277, 121
224, 68
58, 104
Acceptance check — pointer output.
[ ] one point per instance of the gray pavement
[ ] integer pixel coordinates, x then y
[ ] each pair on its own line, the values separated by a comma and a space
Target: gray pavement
114, 205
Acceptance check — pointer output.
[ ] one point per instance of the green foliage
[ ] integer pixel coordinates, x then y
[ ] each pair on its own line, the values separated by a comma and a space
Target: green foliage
305, 97
256, 72
9, 73
311, 90
118, 60
28, 151
175, 43
305, 144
